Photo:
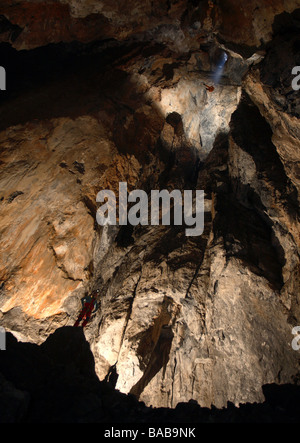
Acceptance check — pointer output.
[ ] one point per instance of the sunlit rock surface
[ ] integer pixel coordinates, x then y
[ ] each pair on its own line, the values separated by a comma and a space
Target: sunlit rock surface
121, 97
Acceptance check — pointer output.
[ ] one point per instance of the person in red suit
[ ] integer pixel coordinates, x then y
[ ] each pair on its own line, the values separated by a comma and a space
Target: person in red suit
89, 307
209, 88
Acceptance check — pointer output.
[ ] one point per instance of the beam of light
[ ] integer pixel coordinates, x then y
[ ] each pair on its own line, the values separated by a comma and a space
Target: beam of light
220, 68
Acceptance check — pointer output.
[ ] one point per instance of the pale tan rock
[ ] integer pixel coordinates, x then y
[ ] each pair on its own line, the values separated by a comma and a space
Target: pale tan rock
206, 318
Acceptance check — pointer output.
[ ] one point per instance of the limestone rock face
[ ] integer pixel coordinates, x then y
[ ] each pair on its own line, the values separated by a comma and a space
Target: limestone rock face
45, 245
30, 24
207, 318
251, 23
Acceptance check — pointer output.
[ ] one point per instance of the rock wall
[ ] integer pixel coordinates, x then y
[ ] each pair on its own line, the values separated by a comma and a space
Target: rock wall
207, 318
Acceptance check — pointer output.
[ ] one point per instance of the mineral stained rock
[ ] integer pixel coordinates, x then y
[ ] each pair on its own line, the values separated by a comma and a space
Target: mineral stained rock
119, 96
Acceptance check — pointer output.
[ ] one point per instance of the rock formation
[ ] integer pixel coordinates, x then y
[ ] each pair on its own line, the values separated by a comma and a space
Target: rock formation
99, 94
